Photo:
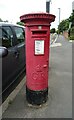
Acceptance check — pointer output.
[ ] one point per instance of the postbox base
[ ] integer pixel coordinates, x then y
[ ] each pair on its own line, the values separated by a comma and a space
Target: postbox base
36, 97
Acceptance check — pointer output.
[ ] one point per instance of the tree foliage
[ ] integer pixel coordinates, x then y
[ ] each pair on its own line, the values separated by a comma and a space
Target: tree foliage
64, 24
71, 18
1, 20
20, 23
53, 30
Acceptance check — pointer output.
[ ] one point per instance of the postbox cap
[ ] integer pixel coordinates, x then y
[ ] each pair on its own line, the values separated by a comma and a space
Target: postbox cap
37, 16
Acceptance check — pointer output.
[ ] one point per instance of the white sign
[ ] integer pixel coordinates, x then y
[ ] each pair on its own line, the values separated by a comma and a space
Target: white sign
39, 47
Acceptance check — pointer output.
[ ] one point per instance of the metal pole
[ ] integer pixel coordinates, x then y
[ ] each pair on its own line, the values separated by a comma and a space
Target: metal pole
48, 6
59, 19
59, 15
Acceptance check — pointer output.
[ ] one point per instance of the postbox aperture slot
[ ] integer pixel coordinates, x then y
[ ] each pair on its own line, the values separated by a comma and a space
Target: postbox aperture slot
39, 47
39, 32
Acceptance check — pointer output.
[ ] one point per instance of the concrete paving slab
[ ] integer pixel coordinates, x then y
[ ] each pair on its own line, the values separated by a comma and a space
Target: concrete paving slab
55, 45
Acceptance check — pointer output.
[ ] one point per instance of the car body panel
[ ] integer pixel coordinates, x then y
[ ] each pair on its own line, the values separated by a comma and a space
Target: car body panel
14, 62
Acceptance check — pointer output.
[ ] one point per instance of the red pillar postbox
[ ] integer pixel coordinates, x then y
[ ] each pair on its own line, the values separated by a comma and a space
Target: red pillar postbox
37, 55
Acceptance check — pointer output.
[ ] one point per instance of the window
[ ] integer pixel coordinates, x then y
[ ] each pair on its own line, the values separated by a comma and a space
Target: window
7, 36
20, 34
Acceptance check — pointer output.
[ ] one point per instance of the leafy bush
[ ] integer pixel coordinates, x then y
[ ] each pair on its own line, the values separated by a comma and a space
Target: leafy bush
52, 30
72, 33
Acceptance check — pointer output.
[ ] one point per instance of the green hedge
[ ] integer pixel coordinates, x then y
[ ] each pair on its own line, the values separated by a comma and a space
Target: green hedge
72, 33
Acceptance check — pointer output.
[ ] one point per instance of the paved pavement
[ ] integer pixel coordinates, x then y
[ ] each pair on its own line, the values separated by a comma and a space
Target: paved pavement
59, 104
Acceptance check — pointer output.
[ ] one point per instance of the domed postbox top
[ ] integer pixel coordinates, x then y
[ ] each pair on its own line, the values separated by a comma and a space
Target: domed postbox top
37, 17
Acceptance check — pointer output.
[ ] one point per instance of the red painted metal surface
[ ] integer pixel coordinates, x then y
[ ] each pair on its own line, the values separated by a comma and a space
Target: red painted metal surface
37, 49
